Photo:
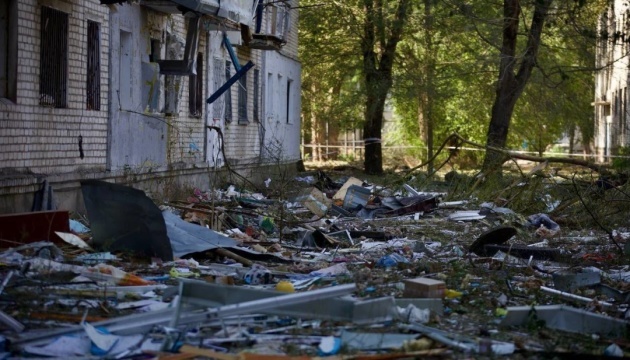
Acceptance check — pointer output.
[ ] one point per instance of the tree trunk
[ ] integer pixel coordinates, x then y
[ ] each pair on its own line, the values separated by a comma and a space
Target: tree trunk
428, 108
571, 138
377, 72
510, 85
372, 128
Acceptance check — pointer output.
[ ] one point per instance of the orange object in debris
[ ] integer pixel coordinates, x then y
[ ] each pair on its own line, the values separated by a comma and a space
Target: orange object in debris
133, 280
118, 276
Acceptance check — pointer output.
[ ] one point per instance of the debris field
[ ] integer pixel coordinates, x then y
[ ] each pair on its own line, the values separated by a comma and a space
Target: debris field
324, 265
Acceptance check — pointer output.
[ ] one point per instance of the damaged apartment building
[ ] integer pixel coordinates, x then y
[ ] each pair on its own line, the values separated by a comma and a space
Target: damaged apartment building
612, 119
150, 93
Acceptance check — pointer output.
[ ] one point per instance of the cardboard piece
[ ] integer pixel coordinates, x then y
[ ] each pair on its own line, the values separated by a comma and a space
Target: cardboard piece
424, 288
316, 201
341, 194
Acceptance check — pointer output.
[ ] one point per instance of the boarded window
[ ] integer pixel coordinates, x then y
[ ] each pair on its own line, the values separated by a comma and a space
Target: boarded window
93, 83
242, 100
256, 94
8, 49
195, 89
53, 72
228, 94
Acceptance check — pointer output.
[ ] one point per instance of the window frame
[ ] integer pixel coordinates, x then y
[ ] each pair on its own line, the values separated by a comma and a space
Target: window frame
243, 117
195, 89
256, 110
53, 67
228, 94
93, 64
8, 90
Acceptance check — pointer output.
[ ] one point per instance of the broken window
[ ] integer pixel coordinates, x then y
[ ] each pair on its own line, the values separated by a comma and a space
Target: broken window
256, 94
195, 89
242, 100
93, 83
228, 94
151, 81
172, 83
53, 76
8, 49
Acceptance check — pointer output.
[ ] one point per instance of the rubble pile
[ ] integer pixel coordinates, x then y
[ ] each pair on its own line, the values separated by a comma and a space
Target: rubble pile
337, 268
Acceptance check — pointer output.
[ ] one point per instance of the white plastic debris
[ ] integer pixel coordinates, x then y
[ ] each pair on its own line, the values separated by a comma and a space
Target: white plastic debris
412, 314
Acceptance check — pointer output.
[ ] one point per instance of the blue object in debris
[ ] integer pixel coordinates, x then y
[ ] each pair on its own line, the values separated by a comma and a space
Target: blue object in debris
391, 260
329, 345
543, 219
77, 227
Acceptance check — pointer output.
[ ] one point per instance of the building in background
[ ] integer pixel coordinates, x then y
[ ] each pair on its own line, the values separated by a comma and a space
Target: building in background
611, 81
117, 90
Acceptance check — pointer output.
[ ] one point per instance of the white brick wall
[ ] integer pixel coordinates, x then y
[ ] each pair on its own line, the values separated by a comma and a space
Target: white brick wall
45, 140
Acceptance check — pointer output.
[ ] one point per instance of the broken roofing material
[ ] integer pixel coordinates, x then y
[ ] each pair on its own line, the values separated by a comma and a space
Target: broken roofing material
188, 238
125, 219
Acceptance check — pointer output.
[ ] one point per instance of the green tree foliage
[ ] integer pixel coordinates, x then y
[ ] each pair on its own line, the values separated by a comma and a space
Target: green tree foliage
330, 81
449, 70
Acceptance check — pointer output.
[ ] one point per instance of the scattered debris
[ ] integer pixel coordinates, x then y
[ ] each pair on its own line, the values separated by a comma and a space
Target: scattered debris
344, 269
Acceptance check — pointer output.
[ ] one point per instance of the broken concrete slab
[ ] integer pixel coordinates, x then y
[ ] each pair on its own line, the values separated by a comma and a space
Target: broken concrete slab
568, 281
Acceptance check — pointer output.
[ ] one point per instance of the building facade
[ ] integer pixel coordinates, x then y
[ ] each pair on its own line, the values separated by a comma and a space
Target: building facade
118, 90
611, 81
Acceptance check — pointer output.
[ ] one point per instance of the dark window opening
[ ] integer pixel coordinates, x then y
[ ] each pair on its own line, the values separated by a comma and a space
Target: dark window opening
8, 50
93, 84
195, 89
242, 100
53, 76
256, 94
288, 101
156, 50
228, 94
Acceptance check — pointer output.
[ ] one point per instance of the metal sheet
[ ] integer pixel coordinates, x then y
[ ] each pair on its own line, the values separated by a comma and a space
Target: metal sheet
187, 238
125, 219
24, 228
201, 294
568, 319
374, 341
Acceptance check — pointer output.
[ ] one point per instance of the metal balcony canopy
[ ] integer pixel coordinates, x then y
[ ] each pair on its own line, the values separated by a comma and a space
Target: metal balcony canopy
240, 11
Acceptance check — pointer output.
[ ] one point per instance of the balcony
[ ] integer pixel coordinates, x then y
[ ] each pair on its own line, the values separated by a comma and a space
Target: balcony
272, 25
